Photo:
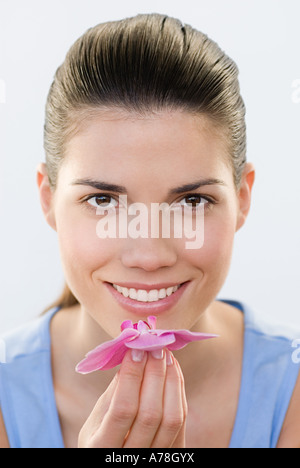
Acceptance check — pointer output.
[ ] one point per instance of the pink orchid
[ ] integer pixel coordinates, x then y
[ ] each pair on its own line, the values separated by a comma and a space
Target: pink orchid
139, 336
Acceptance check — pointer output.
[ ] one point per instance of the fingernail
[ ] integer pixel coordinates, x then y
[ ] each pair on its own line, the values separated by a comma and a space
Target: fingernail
169, 358
137, 355
158, 354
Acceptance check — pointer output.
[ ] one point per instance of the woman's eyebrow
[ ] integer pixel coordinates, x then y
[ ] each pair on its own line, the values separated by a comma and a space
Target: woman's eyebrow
196, 185
100, 185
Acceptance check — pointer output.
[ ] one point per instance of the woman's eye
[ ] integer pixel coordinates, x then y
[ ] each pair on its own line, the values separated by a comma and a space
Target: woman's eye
193, 201
103, 201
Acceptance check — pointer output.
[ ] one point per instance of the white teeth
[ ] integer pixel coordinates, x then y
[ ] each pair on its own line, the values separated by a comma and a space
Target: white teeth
162, 293
153, 295
132, 293
142, 295
125, 292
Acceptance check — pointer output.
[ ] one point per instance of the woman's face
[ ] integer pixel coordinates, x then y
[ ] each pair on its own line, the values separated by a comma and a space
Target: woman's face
149, 160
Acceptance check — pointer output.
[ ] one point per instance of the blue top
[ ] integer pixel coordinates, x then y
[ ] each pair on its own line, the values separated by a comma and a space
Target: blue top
28, 402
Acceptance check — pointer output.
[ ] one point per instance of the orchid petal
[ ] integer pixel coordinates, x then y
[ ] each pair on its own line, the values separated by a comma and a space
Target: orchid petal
151, 342
126, 324
140, 336
143, 326
152, 321
108, 354
184, 337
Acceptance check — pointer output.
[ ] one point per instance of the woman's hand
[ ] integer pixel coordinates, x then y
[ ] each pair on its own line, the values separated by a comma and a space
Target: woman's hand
144, 406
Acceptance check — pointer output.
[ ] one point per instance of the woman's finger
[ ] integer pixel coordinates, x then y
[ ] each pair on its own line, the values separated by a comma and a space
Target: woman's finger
144, 406
150, 410
124, 404
181, 439
100, 409
173, 417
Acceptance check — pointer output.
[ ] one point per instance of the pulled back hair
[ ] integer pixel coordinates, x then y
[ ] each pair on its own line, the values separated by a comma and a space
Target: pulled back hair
148, 63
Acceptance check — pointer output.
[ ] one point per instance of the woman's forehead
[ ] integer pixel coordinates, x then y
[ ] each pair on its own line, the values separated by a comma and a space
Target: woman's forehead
163, 142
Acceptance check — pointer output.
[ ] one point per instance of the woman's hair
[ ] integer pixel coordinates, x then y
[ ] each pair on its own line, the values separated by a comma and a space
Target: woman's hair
145, 64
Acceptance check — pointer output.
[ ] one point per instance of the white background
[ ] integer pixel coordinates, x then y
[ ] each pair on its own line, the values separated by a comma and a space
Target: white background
262, 36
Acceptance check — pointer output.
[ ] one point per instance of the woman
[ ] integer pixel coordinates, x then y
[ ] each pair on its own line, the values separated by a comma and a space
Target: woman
150, 110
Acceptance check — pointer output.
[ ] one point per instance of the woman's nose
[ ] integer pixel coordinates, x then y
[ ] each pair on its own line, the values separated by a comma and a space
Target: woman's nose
148, 254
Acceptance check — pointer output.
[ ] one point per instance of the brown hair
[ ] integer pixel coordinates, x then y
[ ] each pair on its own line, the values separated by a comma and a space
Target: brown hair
143, 64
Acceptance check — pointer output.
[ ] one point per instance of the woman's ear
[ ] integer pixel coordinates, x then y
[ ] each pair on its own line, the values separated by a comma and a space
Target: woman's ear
46, 194
244, 194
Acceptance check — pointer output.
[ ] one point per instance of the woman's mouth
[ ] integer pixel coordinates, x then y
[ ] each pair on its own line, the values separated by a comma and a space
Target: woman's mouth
142, 295
143, 299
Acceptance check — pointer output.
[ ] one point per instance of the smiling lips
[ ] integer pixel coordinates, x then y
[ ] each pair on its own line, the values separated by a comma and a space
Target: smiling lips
141, 295
145, 299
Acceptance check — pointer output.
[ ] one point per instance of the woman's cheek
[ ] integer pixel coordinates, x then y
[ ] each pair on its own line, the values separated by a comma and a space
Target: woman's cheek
82, 251
219, 246
214, 257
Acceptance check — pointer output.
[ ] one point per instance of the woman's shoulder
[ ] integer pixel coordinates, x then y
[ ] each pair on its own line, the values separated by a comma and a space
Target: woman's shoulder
264, 329
280, 343
27, 399
269, 379
274, 335
271, 349
29, 338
